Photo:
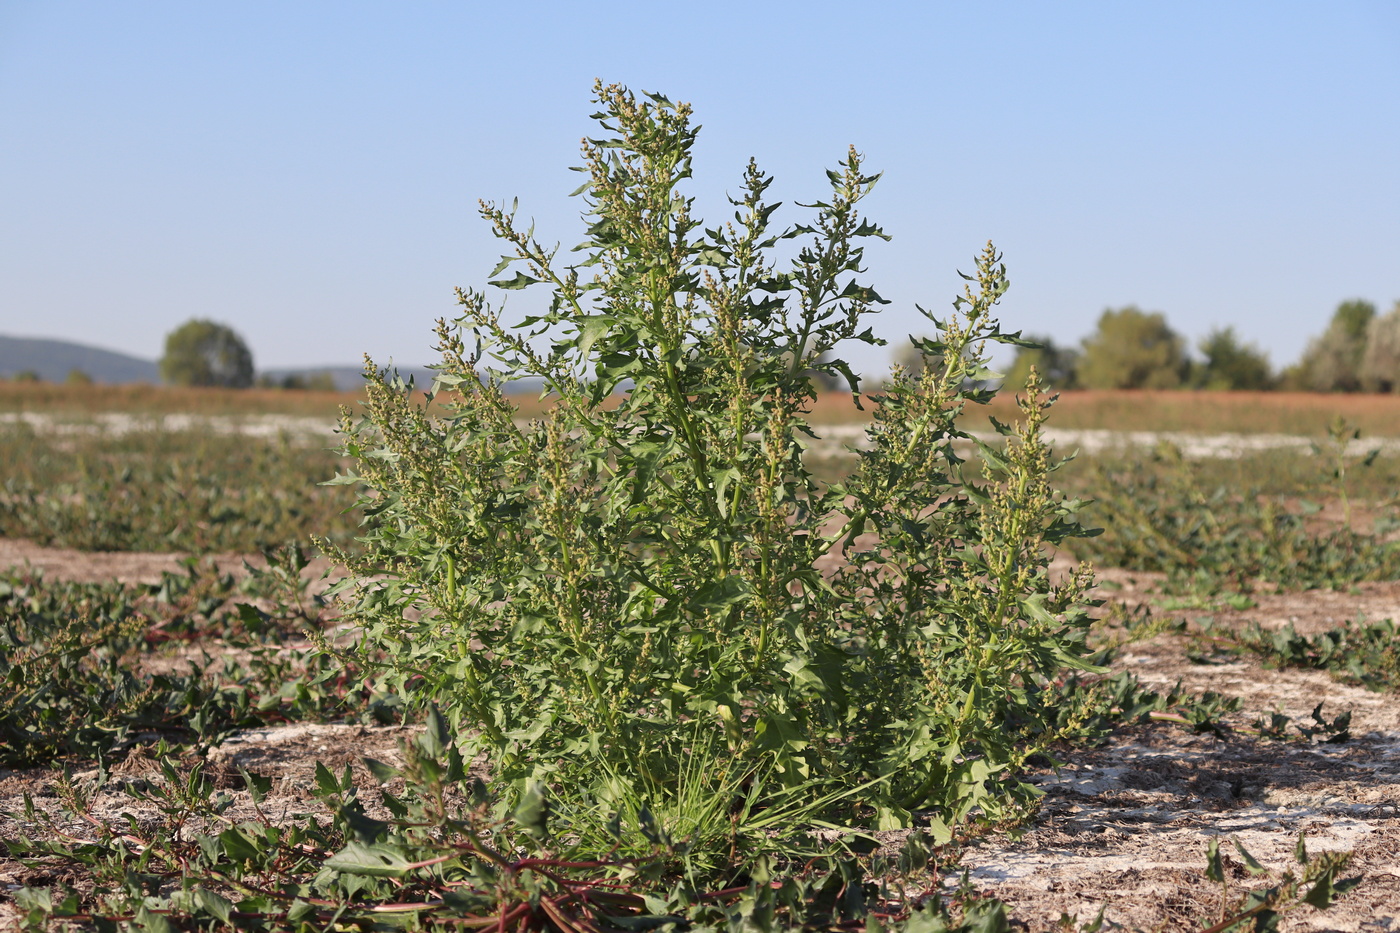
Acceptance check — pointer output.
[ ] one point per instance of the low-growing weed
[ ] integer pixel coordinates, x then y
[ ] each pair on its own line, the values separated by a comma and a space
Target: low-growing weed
172, 490
1358, 652
435, 857
1090, 708
81, 673
1158, 515
1317, 884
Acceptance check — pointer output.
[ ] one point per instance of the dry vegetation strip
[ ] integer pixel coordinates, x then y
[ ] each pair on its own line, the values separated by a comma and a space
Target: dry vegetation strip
1299, 413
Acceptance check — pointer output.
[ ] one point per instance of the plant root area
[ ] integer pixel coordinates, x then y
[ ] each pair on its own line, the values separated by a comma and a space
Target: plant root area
1123, 827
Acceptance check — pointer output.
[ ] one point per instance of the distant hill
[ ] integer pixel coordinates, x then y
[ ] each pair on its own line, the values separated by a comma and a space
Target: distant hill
53, 360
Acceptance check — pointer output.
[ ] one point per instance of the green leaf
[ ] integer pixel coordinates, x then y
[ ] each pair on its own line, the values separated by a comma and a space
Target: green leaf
718, 595
258, 785
517, 281
326, 783
590, 329
214, 904
532, 812
435, 738
238, 847
1215, 868
1250, 863
379, 860
382, 773
1320, 896
987, 916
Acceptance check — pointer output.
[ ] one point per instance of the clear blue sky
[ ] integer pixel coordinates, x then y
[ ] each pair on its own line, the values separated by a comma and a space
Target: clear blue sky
308, 171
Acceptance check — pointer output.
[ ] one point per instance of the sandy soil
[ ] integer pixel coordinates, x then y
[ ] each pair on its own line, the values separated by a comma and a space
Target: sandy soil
122, 566
833, 438
1123, 827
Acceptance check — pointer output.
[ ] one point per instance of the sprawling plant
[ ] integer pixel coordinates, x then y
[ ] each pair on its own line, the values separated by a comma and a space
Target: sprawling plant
642, 601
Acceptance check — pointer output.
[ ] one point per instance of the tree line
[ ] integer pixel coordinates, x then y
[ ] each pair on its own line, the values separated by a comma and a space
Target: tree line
1359, 351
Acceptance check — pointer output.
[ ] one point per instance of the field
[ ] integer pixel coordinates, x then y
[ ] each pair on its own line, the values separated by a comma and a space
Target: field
1287, 413
175, 707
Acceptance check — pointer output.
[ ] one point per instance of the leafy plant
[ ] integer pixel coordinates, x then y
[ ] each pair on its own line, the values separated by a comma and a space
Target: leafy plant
1159, 515
1317, 885
1091, 707
1340, 434
164, 490
78, 677
649, 602
1359, 652
440, 860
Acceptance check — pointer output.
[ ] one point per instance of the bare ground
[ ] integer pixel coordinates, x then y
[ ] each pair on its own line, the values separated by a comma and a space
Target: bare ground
1124, 827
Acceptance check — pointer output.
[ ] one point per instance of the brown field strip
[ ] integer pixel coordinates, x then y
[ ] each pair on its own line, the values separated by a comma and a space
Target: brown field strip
1297, 413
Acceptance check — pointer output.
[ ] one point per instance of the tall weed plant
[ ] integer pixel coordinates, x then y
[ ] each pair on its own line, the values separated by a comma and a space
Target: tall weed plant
641, 606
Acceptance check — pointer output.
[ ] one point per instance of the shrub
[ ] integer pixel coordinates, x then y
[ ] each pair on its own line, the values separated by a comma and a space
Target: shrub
625, 605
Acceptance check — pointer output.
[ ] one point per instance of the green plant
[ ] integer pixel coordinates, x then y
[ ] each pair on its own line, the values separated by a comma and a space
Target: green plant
1258, 909
1359, 652
1340, 460
439, 861
1317, 885
1160, 514
654, 603
1091, 709
78, 678
163, 490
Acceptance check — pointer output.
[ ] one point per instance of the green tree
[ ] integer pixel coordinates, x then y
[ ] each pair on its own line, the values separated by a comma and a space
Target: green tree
1057, 365
1380, 363
1231, 364
205, 353
1133, 349
1332, 361
76, 377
